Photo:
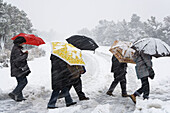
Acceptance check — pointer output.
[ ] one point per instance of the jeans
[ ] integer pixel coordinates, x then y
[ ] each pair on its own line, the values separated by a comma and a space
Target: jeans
22, 82
54, 97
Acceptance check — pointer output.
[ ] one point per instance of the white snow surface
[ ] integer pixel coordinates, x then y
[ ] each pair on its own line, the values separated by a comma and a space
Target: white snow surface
96, 82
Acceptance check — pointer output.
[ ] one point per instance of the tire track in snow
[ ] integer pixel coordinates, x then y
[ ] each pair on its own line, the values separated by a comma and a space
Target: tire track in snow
96, 75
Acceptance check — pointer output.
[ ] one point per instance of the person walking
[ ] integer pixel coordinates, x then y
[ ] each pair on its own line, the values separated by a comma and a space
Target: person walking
143, 61
119, 70
60, 81
76, 81
19, 68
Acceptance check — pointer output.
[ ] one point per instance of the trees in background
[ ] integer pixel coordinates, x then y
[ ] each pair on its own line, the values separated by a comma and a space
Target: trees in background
12, 22
106, 32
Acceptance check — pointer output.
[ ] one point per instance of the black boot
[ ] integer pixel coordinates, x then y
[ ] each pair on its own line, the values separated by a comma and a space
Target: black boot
51, 107
71, 104
12, 96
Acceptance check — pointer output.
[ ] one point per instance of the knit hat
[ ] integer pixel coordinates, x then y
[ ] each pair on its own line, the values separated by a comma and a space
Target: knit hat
19, 40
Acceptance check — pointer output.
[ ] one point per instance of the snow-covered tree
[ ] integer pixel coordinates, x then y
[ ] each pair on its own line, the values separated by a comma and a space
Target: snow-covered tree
136, 28
105, 32
166, 29
123, 31
12, 22
108, 31
153, 28
85, 31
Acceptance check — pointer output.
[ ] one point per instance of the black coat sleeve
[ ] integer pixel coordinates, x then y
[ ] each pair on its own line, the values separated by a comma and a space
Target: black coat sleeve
18, 57
117, 66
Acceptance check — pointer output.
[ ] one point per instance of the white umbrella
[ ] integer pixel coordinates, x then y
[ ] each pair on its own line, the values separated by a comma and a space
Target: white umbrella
152, 46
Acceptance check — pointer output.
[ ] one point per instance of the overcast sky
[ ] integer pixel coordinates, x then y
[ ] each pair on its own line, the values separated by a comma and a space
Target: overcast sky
69, 16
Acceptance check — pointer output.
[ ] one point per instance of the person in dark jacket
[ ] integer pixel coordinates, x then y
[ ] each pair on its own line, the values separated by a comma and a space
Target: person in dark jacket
19, 68
119, 70
143, 74
60, 81
76, 82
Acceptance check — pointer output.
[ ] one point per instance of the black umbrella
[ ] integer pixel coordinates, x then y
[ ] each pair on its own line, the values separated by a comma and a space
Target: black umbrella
82, 42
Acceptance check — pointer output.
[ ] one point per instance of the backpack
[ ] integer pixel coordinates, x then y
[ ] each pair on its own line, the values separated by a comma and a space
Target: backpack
75, 70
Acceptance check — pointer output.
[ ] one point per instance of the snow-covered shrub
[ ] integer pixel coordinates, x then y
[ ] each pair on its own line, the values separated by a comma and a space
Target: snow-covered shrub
32, 53
4, 58
35, 53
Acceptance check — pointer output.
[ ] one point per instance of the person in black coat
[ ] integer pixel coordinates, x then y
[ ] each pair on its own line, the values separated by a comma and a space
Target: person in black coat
60, 82
119, 70
19, 68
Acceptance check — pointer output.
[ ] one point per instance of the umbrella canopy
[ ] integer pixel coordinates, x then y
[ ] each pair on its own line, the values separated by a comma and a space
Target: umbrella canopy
30, 39
152, 46
122, 51
82, 42
68, 53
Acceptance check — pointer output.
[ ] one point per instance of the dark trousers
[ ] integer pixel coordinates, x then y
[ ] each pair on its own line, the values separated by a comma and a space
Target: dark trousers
119, 77
77, 84
54, 97
144, 88
22, 82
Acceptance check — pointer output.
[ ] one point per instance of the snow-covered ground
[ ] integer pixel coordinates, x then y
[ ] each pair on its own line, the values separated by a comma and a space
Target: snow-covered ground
96, 82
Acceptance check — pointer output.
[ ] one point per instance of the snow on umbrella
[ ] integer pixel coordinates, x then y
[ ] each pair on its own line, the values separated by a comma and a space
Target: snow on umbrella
122, 51
68, 53
152, 46
30, 39
82, 42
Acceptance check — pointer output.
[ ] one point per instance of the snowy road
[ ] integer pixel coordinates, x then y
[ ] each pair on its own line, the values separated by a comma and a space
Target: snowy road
96, 81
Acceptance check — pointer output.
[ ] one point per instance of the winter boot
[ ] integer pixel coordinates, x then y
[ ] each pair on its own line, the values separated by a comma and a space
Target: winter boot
84, 98
125, 95
109, 93
51, 107
12, 96
71, 104
24, 99
145, 97
133, 98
